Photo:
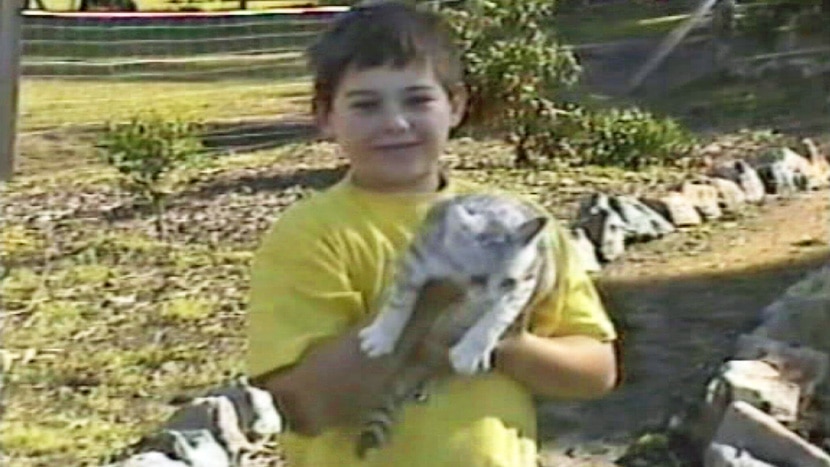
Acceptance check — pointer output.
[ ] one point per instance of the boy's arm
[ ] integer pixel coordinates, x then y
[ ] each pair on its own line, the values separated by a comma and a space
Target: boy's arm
568, 367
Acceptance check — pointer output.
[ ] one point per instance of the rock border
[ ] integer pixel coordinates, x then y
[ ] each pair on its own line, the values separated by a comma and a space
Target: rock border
606, 224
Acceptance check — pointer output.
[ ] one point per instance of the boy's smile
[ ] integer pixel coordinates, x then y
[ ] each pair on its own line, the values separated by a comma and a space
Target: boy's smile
393, 124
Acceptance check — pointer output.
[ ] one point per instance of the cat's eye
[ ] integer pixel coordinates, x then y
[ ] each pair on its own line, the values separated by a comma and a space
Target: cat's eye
479, 280
508, 283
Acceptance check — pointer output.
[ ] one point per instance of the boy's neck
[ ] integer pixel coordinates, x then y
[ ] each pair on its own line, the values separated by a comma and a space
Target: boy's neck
432, 183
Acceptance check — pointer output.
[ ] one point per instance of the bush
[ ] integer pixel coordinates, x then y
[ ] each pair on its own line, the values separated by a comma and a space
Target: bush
765, 19
514, 68
631, 138
145, 151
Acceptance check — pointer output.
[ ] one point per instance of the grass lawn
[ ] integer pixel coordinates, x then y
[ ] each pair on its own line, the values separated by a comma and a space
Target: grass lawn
105, 322
727, 104
206, 5
623, 20
55, 103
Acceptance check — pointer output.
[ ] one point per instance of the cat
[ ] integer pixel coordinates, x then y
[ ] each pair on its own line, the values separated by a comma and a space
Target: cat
493, 249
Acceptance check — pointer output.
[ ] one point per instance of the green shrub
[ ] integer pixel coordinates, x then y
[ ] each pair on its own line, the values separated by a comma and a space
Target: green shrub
514, 68
628, 138
145, 152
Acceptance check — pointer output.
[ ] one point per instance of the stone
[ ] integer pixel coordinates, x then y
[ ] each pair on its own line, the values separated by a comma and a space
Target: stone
798, 320
803, 366
802, 314
731, 198
149, 459
746, 427
255, 408
784, 171
750, 182
678, 209
760, 384
791, 160
740, 172
703, 197
603, 226
820, 167
555, 459
226, 425
779, 179
722, 455
643, 222
585, 251
199, 448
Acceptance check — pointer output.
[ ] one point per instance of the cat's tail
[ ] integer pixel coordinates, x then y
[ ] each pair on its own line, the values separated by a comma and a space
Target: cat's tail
376, 430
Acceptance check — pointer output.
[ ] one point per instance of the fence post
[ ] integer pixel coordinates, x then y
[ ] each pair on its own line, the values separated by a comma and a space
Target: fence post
10, 31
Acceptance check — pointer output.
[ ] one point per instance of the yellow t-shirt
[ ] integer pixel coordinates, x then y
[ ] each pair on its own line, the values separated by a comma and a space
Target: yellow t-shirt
318, 272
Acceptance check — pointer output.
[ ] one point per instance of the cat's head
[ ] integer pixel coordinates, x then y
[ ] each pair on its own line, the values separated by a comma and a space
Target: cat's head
495, 252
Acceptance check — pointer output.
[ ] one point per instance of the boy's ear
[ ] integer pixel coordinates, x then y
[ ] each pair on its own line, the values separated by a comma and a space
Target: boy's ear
458, 101
321, 119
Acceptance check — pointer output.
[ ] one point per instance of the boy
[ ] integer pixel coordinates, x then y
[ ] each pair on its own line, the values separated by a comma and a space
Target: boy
388, 89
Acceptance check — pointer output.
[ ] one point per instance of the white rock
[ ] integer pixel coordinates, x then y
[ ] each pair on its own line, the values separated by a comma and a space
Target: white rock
151, 459
585, 250
746, 427
198, 448
722, 455
760, 384
677, 208
804, 366
703, 197
730, 196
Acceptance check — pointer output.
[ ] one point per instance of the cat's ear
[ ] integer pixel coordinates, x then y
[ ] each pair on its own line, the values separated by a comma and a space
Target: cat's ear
456, 220
529, 230
461, 216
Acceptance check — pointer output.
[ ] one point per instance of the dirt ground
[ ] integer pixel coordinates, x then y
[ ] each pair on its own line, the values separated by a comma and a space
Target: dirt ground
680, 302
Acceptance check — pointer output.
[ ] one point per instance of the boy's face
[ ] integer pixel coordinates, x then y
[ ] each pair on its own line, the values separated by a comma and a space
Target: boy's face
393, 125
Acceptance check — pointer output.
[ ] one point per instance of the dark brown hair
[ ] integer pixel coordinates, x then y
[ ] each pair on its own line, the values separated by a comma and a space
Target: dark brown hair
383, 33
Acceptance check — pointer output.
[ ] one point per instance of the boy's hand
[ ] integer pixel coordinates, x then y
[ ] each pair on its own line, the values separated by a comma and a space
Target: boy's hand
335, 384
332, 386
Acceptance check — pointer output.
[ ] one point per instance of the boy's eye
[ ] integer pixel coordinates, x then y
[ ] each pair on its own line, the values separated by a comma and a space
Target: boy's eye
419, 100
364, 105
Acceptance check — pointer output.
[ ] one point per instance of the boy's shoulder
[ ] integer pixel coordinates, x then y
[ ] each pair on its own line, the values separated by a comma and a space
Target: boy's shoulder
316, 209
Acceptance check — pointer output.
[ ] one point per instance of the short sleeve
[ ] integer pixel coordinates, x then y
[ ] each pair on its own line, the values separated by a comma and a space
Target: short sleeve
300, 293
574, 307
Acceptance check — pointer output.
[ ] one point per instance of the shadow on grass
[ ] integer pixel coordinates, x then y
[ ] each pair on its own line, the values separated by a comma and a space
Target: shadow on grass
260, 134
674, 333
313, 179
304, 179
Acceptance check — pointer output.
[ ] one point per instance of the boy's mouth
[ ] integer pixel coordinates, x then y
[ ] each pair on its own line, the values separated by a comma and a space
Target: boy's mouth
396, 146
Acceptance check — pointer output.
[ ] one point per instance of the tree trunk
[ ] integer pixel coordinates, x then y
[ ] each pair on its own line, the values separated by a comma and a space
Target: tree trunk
38, 5
158, 208
114, 5
522, 153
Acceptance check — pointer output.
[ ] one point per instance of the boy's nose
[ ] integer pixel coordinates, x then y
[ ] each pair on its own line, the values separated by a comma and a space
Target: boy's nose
396, 122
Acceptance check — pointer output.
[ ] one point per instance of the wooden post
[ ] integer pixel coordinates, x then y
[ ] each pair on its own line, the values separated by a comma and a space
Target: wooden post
10, 31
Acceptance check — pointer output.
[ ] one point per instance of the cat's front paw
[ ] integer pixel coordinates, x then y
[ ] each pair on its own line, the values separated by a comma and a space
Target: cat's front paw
376, 341
470, 359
